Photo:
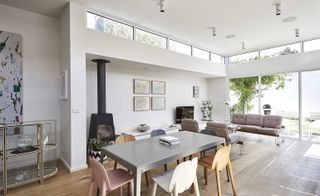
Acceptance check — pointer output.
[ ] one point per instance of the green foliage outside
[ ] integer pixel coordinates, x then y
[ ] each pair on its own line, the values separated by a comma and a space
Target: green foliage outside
285, 51
248, 88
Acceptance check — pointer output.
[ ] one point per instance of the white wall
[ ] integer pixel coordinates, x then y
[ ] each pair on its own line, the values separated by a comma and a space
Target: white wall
40, 48
281, 64
84, 41
65, 105
179, 92
218, 93
111, 46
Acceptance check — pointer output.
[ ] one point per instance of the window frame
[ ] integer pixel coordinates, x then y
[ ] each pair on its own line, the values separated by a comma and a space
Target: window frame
152, 33
206, 51
182, 44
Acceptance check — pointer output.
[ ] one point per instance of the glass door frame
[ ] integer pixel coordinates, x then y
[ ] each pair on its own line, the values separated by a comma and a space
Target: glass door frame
300, 108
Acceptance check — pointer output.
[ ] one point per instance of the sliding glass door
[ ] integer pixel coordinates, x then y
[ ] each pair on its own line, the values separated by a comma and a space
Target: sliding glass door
310, 105
280, 96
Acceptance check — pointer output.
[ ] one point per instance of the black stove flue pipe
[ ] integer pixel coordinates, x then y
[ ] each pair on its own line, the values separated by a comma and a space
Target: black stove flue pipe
101, 84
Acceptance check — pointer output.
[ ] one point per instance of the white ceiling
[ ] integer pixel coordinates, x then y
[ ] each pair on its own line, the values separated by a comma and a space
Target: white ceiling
253, 21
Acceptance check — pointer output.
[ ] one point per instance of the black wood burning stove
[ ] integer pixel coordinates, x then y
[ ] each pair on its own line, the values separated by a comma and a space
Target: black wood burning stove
101, 124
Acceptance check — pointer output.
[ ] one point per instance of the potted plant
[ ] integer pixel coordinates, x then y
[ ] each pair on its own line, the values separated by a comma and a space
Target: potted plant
95, 148
206, 110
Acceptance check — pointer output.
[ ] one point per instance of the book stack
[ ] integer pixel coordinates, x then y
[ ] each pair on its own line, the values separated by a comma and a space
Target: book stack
169, 140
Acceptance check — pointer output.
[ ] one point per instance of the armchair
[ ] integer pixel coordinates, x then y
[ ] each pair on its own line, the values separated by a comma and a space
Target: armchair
189, 125
221, 130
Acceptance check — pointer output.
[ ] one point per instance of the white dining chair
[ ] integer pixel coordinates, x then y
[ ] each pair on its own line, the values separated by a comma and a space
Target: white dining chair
178, 180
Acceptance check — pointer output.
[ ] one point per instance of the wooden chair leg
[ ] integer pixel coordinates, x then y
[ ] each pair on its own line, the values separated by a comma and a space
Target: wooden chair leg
120, 190
218, 182
154, 189
205, 173
228, 175
103, 192
91, 188
191, 189
196, 186
128, 193
147, 178
184, 159
190, 157
131, 188
165, 167
115, 165
175, 192
178, 162
232, 179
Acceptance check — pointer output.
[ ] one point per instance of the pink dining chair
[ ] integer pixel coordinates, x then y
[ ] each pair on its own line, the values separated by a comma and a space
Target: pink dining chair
108, 180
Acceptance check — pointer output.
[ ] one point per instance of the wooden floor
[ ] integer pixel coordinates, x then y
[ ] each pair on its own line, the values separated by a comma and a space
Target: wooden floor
265, 169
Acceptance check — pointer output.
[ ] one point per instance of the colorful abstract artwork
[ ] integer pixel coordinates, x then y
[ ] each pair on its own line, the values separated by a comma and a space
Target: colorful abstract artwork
11, 96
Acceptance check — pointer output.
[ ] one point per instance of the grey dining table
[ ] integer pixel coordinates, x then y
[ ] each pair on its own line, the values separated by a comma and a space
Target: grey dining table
142, 155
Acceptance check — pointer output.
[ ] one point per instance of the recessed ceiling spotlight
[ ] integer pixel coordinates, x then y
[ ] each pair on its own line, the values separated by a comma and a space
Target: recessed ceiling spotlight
297, 32
289, 19
243, 45
162, 5
231, 36
214, 31
278, 8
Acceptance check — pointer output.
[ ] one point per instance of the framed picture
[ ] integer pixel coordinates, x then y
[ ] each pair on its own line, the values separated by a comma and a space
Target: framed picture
158, 87
141, 103
158, 103
195, 91
64, 85
141, 87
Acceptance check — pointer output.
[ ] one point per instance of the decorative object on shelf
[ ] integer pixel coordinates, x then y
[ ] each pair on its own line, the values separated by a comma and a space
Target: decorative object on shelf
143, 127
141, 103
24, 150
158, 87
64, 85
22, 175
11, 83
95, 149
206, 110
141, 87
195, 91
158, 103
24, 142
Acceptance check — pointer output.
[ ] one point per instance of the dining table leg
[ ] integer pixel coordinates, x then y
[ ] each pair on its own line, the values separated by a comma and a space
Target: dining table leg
137, 183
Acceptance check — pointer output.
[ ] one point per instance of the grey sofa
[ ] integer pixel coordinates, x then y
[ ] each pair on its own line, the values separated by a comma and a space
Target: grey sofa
255, 123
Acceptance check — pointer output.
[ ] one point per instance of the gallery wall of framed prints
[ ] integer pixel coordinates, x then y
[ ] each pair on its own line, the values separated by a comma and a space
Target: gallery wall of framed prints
149, 95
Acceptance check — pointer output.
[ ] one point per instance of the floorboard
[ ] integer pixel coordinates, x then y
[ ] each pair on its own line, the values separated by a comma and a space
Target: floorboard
263, 170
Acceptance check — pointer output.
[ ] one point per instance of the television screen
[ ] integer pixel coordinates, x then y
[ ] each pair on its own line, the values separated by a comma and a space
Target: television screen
184, 112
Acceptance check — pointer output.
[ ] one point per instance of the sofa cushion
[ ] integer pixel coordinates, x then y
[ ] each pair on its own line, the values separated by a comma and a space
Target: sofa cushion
254, 119
249, 128
239, 119
268, 131
272, 121
217, 125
